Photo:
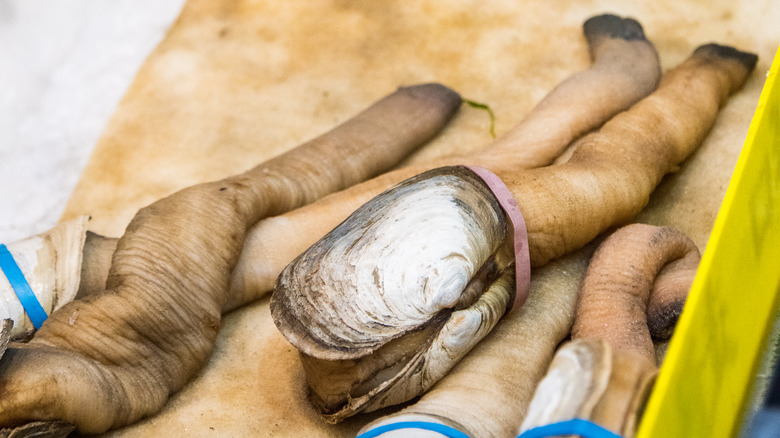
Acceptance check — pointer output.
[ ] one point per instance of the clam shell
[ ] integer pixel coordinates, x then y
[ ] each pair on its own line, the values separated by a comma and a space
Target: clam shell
588, 379
386, 303
575, 381
51, 264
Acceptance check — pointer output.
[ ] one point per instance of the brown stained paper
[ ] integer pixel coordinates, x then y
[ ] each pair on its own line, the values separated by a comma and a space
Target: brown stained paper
237, 82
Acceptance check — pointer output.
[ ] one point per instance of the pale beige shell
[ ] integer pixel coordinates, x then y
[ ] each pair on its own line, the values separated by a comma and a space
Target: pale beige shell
576, 379
589, 380
385, 304
51, 264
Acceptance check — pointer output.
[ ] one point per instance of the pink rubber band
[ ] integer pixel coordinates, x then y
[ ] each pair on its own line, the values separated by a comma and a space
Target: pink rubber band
522, 257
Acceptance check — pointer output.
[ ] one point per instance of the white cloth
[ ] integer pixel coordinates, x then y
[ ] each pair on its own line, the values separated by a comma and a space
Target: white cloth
65, 66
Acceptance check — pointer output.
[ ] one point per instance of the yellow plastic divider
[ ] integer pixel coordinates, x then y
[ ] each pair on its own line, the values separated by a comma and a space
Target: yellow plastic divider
705, 384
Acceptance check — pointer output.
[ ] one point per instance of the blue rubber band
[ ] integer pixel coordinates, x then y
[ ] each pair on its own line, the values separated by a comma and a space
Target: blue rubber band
23, 291
577, 426
424, 425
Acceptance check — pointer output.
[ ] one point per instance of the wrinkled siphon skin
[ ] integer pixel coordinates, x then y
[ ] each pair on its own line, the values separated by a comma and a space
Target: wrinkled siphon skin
113, 357
615, 298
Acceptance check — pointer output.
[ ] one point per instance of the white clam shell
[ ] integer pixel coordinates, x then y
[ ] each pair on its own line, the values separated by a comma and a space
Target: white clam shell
51, 264
588, 379
577, 378
398, 264
401, 258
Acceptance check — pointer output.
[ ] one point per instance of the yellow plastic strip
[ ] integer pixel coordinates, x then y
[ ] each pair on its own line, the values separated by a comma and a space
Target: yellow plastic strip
705, 384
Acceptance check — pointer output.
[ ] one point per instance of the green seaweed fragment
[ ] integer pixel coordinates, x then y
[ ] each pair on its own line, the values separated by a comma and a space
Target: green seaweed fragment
485, 107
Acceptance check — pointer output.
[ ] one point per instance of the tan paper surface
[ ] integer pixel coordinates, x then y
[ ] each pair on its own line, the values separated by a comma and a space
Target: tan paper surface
237, 82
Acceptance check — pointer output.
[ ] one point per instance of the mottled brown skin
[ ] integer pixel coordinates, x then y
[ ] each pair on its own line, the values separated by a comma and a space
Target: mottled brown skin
614, 297
113, 357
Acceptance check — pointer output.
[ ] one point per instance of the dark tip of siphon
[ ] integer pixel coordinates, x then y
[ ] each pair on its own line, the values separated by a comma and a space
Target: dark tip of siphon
435, 91
662, 322
613, 26
747, 59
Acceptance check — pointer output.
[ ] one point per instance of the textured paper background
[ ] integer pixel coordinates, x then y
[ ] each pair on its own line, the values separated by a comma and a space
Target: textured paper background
237, 82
